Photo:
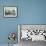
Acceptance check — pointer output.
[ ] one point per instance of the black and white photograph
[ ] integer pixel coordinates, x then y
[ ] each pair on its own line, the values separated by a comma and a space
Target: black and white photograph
30, 34
33, 32
10, 11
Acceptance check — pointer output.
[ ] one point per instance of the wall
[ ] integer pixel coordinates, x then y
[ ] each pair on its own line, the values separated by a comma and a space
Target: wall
29, 12
7, 25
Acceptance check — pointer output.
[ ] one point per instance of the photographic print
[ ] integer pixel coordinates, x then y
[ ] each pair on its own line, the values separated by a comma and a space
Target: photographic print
32, 32
10, 11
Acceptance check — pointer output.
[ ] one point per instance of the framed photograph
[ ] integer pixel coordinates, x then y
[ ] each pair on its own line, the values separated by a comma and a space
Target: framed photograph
31, 32
10, 11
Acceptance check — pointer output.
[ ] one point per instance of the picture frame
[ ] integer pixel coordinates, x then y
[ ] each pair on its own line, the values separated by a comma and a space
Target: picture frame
10, 11
36, 32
